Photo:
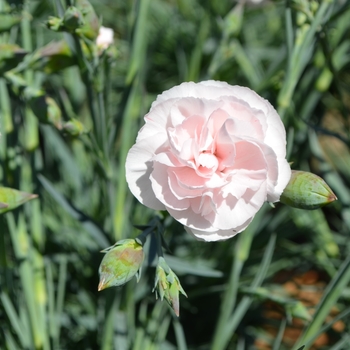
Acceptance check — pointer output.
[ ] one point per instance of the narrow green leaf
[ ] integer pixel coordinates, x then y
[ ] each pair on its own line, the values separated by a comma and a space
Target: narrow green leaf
14, 319
61, 289
279, 337
7, 21
90, 226
179, 335
195, 267
10, 341
5, 106
139, 42
244, 304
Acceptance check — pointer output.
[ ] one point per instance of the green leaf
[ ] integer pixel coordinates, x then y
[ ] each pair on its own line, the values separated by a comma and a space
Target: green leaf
7, 21
194, 267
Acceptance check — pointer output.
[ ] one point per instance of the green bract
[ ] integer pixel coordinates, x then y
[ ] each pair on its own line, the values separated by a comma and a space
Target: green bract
168, 286
307, 191
121, 263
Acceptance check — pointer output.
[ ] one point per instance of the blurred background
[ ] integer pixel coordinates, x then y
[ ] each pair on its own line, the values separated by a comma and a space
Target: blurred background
69, 112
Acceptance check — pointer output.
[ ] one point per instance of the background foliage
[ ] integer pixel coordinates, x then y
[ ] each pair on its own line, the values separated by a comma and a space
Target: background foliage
68, 115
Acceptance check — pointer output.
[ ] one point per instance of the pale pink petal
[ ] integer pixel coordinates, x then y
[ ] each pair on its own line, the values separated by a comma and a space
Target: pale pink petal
249, 156
234, 213
216, 121
167, 158
157, 120
225, 147
189, 178
217, 235
191, 219
181, 190
138, 168
284, 174
204, 205
160, 185
241, 180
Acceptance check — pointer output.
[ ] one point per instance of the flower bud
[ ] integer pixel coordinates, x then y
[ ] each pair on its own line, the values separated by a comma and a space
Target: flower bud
168, 285
91, 22
298, 310
73, 128
307, 191
121, 263
55, 24
3, 205
11, 199
46, 110
105, 38
73, 19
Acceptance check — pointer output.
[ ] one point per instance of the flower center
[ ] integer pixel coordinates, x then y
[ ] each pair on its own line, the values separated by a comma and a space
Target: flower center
207, 163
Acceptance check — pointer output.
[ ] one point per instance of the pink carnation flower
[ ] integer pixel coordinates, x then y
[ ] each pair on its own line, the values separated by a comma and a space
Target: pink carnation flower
210, 154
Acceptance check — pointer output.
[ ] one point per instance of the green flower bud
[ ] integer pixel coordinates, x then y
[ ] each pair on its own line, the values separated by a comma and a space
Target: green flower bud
307, 191
11, 199
74, 128
73, 19
298, 310
3, 205
55, 24
91, 22
80, 19
121, 263
46, 110
168, 285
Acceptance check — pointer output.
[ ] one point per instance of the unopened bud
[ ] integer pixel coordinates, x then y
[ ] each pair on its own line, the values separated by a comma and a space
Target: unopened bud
74, 128
91, 22
168, 286
298, 310
11, 199
46, 110
55, 24
307, 191
121, 263
73, 19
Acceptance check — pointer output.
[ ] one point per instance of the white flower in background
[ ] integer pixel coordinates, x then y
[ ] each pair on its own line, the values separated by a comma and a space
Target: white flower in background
105, 38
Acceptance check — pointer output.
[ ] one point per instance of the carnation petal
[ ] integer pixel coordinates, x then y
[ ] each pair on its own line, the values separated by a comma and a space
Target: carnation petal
191, 219
160, 185
235, 212
284, 174
181, 190
218, 235
138, 168
249, 156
